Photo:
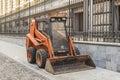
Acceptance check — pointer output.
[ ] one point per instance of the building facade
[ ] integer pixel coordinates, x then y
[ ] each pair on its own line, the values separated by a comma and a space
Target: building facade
96, 20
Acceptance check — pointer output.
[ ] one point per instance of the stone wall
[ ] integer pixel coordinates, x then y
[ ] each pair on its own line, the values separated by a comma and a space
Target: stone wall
104, 55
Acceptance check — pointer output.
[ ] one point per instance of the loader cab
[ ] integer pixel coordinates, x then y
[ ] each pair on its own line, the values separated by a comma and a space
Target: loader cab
55, 28
43, 26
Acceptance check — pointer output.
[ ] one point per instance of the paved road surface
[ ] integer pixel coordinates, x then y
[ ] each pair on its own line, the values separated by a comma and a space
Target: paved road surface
12, 70
18, 53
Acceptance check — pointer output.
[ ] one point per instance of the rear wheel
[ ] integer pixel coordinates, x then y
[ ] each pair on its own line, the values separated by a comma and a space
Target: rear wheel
77, 52
41, 56
31, 55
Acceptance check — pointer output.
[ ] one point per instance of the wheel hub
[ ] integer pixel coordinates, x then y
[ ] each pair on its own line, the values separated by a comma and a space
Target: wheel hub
39, 59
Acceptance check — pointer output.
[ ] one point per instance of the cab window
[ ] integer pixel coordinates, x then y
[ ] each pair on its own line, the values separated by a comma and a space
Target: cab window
43, 26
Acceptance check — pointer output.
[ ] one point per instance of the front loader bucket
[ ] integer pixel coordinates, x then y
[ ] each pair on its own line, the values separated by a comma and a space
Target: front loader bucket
69, 64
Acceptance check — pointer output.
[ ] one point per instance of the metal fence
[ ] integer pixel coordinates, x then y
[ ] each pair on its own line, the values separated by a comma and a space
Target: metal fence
97, 36
91, 20
104, 26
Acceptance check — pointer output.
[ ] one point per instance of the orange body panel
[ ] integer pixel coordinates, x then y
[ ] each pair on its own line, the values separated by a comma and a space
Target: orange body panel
38, 40
71, 46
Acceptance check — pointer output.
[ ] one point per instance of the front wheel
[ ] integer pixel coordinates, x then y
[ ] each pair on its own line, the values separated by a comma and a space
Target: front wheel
41, 57
31, 52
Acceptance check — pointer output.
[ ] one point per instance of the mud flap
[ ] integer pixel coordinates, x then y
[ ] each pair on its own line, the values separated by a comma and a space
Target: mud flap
69, 64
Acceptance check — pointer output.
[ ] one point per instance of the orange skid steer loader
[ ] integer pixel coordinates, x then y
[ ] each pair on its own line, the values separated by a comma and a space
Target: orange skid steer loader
49, 46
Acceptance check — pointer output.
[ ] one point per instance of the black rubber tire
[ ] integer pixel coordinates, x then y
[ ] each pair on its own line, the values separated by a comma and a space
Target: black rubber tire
33, 55
43, 57
77, 52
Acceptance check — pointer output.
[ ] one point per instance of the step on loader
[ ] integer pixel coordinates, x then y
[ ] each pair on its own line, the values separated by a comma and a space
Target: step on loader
49, 46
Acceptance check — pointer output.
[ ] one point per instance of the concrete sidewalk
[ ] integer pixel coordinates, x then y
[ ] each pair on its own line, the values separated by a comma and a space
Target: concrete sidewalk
18, 53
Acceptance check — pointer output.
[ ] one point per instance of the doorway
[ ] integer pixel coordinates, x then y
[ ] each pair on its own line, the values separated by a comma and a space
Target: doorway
78, 22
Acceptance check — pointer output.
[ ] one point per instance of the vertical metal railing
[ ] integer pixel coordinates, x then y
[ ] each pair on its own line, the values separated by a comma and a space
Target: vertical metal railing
100, 18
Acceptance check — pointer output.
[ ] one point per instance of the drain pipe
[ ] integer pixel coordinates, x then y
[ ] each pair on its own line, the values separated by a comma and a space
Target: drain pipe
85, 16
91, 18
91, 15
